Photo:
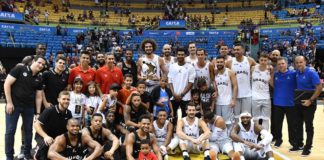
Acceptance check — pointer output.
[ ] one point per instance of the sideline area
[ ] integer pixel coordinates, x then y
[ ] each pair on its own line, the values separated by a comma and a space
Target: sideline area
280, 154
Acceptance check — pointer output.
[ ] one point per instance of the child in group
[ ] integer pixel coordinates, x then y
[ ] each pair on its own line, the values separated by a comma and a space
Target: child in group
195, 98
92, 101
109, 101
77, 101
207, 100
125, 92
145, 96
161, 98
146, 153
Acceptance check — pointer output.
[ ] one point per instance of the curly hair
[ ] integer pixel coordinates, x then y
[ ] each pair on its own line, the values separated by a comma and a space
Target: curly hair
152, 41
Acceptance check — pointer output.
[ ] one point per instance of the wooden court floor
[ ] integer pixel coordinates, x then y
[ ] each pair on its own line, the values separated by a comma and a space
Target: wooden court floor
317, 150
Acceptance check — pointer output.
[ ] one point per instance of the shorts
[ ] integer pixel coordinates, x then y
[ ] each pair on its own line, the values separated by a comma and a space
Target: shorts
225, 111
192, 148
242, 105
251, 154
224, 146
261, 109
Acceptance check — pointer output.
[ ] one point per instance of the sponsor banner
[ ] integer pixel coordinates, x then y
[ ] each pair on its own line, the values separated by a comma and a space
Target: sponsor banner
172, 23
11, 16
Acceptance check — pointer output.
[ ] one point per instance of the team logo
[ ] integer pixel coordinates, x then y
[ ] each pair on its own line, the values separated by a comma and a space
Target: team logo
25, 74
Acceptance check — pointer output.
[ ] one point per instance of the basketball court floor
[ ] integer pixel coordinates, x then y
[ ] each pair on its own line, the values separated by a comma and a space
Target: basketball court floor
280, 153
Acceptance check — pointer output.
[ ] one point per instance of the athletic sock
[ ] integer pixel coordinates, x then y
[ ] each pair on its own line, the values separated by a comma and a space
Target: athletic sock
206, 153
185, 153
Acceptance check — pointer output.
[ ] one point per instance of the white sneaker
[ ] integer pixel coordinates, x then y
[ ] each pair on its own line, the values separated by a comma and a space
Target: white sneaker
21, 156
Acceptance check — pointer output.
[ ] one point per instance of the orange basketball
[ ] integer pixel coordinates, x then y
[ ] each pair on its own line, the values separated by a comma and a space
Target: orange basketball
212, 155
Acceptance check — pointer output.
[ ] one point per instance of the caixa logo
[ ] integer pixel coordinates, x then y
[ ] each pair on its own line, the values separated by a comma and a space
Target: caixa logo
77, 31
7, 27
172, 23
7, 15
45, 29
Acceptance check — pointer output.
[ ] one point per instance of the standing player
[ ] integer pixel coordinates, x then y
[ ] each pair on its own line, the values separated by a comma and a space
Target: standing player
226, 84
246, 133
167, 58
241, 65
188, 130
192, 49
261, 103
203, 68
149, 66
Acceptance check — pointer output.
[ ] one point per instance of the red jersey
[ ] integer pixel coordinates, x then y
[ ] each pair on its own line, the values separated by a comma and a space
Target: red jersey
106, 77
87, 76
122, 96
150, 156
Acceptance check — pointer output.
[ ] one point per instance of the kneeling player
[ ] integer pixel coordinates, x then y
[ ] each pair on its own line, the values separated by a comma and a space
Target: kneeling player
246, 134
219, 140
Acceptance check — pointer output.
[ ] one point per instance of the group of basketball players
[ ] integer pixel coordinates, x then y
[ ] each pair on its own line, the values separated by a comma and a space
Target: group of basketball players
127, 110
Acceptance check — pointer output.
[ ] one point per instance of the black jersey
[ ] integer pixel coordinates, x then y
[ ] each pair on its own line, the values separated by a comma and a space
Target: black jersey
134, 115
76, 152
100, 139
137, 144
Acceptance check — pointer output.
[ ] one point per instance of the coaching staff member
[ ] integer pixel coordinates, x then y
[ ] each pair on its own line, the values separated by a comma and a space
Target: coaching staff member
308, 80
52, 123
23, 90
55, 80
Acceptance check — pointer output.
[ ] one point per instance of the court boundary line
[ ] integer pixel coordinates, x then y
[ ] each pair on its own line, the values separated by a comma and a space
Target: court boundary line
281, 155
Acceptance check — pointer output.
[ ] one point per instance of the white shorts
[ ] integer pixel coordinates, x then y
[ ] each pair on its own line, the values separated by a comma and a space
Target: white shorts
225, 111
224, 146
192, 148
251, 154
243, 105
261, 109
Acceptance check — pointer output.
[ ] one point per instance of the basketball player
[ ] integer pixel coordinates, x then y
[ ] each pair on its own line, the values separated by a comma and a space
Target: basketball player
226, 84
189, 129
241, 65
245, 135
261, 103
103, 136
149, 66
192, 49
203, 68
219, 140
133, 141
74, 145
163, 130
167, 58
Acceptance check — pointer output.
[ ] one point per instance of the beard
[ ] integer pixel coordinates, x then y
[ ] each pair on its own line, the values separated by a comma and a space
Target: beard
220, 67
101, 62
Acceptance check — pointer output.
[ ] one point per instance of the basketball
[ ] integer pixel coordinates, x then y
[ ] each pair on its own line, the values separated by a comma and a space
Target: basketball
212, 155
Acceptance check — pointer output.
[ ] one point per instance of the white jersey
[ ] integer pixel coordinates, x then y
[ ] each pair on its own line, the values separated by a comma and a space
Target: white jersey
77, 101
218, 134
150, 67
191, 61
191, 130
260, 83
224, 88
202, 73
169, 63
180, 76
243, 71
161, 133
249, 135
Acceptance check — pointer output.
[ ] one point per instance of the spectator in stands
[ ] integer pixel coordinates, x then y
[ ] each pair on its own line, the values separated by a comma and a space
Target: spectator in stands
23, 88
46, 14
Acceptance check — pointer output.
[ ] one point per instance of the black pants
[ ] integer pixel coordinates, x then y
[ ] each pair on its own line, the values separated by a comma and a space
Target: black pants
279, 113
182, 104
42, 148
272, 123
305, 114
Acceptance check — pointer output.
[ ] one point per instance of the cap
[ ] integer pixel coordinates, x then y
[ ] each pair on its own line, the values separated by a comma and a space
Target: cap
114, 86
